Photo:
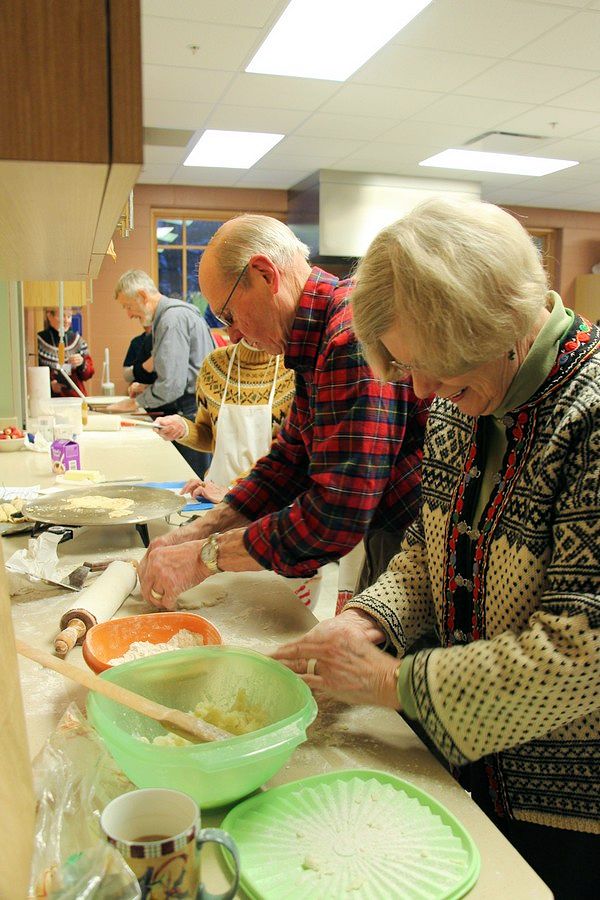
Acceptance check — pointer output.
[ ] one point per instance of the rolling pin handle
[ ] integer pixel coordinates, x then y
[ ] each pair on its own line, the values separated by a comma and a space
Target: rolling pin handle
67, 639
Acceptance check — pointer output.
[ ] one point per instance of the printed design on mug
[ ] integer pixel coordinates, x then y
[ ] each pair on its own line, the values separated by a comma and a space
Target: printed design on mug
169, 881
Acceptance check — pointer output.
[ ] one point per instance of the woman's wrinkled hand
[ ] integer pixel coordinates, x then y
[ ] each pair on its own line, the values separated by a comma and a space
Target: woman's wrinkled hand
166, 572
172, 427
339, 657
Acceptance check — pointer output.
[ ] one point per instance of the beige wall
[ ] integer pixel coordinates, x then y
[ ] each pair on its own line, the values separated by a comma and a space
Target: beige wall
579, 244
106, 325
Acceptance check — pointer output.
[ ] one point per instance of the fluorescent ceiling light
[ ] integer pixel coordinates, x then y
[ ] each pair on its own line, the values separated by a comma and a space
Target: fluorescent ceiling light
231, 149
504, 163
331, 39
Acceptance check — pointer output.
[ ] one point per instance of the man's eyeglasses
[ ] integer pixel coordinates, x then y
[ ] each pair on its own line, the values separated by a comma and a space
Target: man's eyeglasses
226, 319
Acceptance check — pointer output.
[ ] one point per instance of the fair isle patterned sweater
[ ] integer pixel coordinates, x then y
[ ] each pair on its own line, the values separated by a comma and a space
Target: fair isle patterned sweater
256, 372
515, 601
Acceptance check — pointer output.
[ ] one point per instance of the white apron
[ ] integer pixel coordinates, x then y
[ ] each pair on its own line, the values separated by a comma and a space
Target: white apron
244, 433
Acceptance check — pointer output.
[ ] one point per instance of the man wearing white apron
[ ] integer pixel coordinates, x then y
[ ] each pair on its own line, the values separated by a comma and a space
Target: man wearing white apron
244, 433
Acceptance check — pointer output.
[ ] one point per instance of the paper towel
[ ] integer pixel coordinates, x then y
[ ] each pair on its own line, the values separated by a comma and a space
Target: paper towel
38, 383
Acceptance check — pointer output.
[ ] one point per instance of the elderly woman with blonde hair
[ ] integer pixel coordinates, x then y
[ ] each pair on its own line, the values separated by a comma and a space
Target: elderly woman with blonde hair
503, 561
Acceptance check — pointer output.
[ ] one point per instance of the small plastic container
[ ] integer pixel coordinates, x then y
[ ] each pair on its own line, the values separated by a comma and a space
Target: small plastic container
67, 415
219, 772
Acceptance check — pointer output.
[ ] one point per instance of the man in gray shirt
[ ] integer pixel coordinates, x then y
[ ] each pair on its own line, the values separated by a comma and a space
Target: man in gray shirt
181, 340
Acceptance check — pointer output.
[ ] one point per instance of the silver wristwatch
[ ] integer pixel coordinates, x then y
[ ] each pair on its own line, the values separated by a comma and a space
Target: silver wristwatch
210, 554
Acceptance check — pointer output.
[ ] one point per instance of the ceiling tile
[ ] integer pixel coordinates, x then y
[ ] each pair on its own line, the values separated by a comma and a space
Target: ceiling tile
220, 47
324, 148
332, 126
490, 28
568, 201
430, 134
478, 112
568, 122
278, 92
573, 43
154, 174
585, 97
566, 180
199, 175
373, 155
593, 134
224, 12
430, 70
272, 178
572, 3
176, 83
526, 82
281, 164
248, 118
378, 101
509, 196
164, 155
573, 148
389, 166
175, 114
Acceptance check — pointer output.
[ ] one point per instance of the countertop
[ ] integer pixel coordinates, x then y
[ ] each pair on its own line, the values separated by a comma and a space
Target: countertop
250, 609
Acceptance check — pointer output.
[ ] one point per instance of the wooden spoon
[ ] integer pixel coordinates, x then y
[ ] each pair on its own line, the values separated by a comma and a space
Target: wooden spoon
196, 730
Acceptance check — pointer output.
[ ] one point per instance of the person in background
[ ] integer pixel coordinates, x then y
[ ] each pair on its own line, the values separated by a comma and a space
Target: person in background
503, 559
244, 395
138, 364
78, 362
346, 459
181, 340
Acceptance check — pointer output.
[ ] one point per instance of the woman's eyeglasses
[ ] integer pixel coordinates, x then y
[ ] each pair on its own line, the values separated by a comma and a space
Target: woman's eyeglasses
224, 318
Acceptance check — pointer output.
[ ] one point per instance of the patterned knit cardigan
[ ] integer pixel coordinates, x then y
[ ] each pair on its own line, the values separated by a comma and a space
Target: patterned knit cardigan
516, 600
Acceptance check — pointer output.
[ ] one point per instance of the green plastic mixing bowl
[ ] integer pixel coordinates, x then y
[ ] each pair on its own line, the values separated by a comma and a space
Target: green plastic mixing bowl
215, 773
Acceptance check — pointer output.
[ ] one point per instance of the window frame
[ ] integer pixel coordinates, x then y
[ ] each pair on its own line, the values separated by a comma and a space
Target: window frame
551, 249
207, 215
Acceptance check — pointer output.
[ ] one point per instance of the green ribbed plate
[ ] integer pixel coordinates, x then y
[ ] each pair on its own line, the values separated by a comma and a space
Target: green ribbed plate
358, 834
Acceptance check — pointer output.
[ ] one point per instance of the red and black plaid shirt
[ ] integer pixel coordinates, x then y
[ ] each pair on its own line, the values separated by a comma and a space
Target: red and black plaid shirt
348, 456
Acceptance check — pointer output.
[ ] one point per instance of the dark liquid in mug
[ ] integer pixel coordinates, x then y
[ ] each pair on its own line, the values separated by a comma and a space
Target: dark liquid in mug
146, 838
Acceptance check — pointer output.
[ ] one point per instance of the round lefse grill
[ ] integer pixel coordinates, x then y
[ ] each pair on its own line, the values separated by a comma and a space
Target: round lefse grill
147, 504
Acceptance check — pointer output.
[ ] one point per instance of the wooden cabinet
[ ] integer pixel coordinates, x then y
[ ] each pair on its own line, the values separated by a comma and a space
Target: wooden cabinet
70, 132
587, 297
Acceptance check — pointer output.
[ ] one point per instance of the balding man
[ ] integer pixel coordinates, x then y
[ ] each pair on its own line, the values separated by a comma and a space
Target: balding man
181, 340
345, 462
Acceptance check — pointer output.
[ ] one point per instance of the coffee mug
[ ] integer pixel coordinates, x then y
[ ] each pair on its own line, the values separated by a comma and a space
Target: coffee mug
158, 833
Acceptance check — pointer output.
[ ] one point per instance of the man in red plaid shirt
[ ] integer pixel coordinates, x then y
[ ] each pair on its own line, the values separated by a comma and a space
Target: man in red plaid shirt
345, 464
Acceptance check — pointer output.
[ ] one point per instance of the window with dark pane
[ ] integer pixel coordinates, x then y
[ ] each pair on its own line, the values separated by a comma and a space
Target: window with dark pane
180, 242
170, 272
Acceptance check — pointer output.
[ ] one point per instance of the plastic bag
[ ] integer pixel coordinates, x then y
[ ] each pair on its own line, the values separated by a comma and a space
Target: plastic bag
74, 778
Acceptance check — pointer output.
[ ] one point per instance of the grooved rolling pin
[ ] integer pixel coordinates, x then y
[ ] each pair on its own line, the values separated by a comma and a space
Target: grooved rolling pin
96, 603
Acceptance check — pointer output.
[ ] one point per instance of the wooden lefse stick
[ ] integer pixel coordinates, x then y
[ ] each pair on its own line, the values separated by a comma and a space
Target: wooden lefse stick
196, 730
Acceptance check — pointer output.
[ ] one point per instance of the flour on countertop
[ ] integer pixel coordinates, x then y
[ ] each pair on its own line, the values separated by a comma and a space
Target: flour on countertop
139, 649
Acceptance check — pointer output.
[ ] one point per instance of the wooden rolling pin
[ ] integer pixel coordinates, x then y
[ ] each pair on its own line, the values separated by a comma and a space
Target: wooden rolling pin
196, 730
96, 603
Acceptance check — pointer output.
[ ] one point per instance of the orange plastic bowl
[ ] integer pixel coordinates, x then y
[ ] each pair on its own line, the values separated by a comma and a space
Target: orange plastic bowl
109, 640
